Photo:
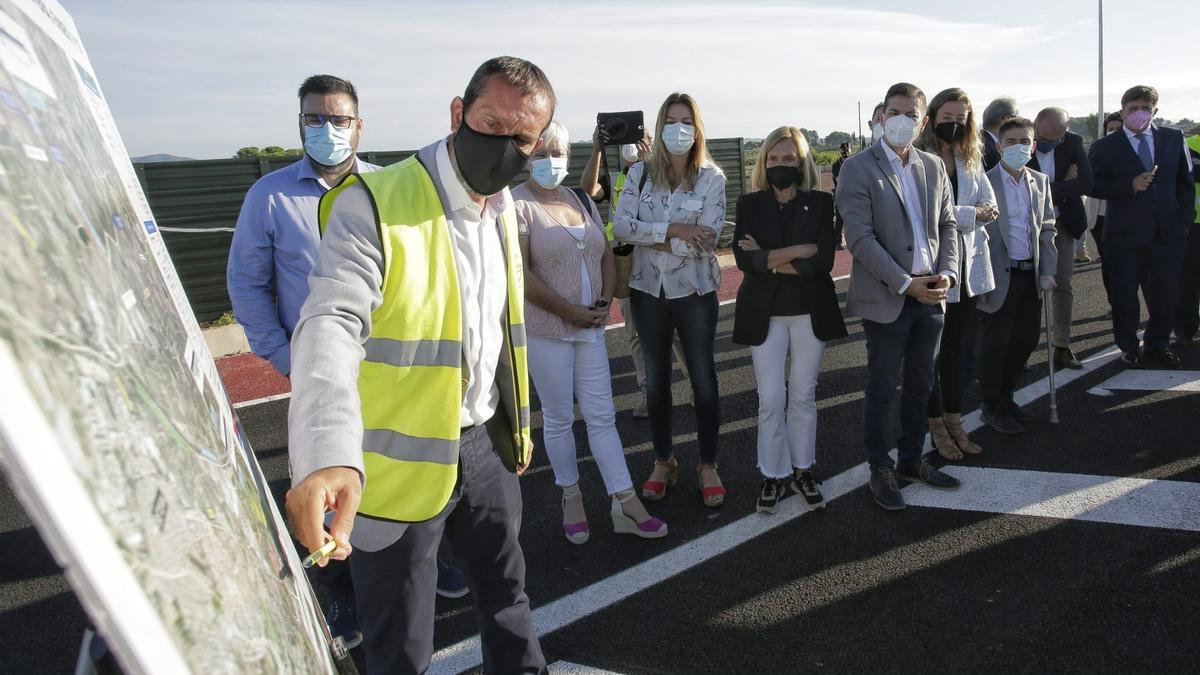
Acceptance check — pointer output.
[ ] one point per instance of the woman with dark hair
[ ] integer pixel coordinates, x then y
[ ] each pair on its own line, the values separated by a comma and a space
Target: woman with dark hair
784, 243
672, 209
952, 133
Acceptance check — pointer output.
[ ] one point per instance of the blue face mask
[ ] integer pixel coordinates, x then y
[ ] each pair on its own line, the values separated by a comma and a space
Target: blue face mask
328, 145
1048, 146
1016, 156
548, 172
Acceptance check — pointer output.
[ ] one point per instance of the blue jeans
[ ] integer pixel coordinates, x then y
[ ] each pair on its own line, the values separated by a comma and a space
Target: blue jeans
394, 587
905, 348
694, 317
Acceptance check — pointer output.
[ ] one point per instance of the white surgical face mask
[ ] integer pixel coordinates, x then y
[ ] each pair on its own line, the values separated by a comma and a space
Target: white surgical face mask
900, 130
679, 138
876, 131
328, 145
548, 171
629, 153
1016, 156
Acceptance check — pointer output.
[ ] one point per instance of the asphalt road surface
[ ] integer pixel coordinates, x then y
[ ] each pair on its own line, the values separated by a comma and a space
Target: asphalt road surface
1075, 547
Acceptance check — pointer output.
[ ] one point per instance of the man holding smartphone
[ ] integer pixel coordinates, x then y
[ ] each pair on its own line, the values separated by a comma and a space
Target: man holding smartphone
900, 228
1145, 177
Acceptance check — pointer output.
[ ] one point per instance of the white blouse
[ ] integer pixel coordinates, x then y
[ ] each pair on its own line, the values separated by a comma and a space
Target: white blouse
642, 219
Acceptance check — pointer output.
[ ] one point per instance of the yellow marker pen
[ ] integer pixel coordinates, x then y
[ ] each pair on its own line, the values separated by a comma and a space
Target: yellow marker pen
320, 554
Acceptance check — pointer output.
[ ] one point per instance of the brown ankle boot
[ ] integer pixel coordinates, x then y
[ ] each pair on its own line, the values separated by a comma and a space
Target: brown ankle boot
942, 441
955, 429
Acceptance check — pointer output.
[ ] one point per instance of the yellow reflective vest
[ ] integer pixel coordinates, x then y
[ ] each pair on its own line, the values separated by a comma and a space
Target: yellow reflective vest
1194, 148
412, 380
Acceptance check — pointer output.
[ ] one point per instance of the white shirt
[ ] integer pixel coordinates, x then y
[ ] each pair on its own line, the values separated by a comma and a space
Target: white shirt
1020, 216
922, 262
478, 256
1046, 164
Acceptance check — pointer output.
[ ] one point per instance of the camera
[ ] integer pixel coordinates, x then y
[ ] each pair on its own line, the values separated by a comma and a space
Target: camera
622, 127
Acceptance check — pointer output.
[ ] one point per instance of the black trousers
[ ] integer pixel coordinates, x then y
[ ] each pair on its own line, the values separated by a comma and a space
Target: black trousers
1155, 268
1187, 312
395, 587
1010, 335
946, 396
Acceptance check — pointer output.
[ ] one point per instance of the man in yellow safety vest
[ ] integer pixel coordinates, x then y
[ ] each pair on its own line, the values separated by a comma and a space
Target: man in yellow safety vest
410, 399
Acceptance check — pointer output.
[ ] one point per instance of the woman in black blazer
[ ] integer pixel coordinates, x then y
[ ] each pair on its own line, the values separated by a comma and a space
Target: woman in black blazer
784, 244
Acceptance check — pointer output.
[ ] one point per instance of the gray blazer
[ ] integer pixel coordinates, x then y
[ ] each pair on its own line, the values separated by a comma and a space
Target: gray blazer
1045, 259
879, 234
974, 189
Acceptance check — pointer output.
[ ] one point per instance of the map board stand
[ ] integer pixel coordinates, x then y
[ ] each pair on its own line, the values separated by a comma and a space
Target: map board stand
116, 434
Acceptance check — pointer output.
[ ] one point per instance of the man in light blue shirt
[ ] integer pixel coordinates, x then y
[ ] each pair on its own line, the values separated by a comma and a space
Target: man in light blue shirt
275, 242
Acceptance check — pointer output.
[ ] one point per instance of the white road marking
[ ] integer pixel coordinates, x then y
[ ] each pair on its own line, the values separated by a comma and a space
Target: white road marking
1149, 380
568, 668
265, 399
548, 618
1166, 504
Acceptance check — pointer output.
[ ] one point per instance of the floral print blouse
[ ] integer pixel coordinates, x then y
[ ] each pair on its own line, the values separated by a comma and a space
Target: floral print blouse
642, 219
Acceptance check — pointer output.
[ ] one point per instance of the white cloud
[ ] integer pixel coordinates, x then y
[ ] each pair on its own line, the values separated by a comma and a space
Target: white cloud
204, 78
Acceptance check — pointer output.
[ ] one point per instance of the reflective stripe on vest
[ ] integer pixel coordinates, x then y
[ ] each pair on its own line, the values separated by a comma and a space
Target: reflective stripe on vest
411, 381
612, 205
1194, 145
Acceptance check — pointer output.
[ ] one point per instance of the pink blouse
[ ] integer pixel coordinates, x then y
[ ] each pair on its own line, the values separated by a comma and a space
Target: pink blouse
556, 258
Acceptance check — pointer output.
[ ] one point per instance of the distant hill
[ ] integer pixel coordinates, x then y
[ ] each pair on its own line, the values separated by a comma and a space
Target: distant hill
144, 159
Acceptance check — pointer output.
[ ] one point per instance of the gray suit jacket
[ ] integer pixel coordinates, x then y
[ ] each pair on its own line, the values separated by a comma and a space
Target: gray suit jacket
879, 234
1045, 258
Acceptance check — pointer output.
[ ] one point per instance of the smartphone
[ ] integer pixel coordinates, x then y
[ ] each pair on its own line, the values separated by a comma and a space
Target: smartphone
622, 127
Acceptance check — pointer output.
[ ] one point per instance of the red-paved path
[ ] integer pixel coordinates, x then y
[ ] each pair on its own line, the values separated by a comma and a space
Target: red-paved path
248, 377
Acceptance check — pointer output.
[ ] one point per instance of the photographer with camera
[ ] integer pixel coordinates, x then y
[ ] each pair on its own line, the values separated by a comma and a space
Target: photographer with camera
608, 187
569, 281
675, 217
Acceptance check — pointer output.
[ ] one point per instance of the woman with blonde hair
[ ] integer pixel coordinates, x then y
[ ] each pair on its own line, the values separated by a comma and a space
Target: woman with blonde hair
569, 281
672, 209
952, 133
784, 242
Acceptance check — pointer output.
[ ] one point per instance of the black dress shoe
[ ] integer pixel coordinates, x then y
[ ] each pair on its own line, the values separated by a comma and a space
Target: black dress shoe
923, 472
972, 390
885, 487
1164, 356
1182, 342
1019, 414
1064, 358
1132, 359
1003, 422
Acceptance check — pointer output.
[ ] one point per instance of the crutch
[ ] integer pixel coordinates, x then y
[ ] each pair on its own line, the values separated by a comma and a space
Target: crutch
1050, 356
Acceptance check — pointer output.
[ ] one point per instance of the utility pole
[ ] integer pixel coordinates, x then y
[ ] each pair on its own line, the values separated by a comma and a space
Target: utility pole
1100, 62
861, 141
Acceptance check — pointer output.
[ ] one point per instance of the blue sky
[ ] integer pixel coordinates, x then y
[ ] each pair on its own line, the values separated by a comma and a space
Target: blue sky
202, 78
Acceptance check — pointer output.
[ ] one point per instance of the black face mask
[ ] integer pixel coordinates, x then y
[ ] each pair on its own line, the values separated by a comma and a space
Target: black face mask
1047, 146
783, 177
949, 132
487, 163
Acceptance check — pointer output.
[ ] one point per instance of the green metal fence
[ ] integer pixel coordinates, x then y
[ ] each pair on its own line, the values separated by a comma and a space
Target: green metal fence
196, 205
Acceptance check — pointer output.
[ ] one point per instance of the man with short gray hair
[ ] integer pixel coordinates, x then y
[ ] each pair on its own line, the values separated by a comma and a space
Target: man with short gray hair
994, 115
1060, 155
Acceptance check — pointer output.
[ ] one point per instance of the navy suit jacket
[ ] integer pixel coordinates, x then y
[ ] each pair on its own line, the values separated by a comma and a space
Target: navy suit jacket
1161, 214
1067, 195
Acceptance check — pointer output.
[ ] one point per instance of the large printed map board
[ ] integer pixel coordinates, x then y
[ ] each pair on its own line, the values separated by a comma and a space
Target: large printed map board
115, 431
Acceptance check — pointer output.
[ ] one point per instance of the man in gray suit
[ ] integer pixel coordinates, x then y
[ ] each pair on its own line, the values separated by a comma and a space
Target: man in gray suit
1023, 260
900, 228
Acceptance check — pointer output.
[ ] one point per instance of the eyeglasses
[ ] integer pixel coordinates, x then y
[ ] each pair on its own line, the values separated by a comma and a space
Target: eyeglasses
316, 120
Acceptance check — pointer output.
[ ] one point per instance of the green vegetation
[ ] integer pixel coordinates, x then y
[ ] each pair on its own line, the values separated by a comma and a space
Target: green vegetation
271, 151
225, 319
